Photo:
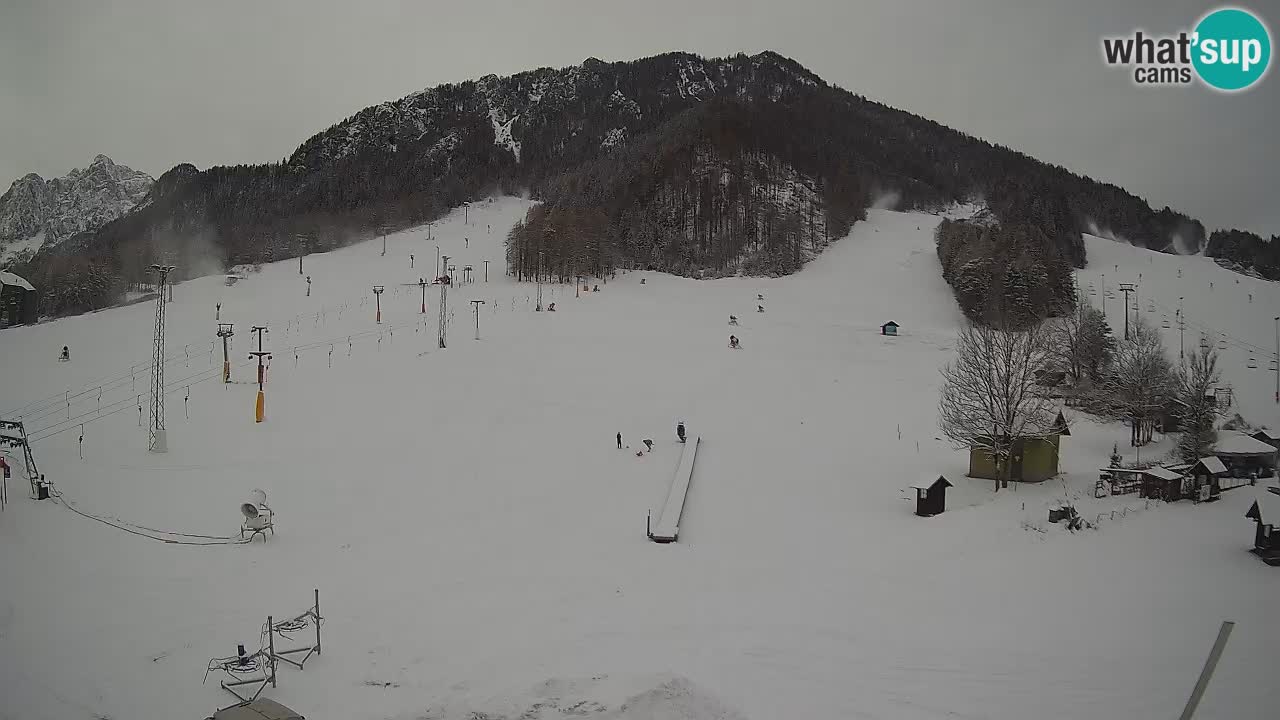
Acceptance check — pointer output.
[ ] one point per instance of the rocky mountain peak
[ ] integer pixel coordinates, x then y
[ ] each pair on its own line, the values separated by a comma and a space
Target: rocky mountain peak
35, 212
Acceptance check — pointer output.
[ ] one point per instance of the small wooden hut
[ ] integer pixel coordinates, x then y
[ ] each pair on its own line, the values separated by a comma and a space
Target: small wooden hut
932, 499
889, 328
1265, 513
1161, 483
1206, 474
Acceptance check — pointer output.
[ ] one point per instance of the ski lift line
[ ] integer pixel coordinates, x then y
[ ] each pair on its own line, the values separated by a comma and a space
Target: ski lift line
1245, 345
58, 401
126, 404
54, 399
1209, 330
170, 387
142, 367
58, 407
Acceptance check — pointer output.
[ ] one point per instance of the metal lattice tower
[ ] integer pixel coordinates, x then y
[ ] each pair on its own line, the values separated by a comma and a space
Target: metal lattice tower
157, 441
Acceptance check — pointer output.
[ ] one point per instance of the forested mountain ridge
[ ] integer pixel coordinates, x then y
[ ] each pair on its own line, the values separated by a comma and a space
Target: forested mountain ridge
677, 162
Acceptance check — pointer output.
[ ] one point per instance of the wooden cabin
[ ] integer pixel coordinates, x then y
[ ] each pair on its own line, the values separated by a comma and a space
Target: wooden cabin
1265, 513
1034, 459
932, 499
889, 328
1161, 483
1206, 475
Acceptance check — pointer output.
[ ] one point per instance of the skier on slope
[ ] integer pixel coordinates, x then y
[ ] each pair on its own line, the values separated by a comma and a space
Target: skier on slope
733, 319
733, 342
680, 430
66, 354
648, 444
619, 441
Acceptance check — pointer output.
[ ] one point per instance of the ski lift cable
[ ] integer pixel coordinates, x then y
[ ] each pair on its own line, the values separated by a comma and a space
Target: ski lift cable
126, 404
1207, 329
169, 388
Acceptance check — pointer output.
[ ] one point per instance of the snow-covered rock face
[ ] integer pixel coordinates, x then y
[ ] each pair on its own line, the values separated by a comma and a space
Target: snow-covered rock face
54, 210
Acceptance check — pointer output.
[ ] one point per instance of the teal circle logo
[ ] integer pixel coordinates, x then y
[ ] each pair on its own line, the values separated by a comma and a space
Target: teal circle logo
1231, 49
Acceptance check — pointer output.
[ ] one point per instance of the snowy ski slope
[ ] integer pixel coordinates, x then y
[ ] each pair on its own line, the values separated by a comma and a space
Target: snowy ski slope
477, 538
1217, 306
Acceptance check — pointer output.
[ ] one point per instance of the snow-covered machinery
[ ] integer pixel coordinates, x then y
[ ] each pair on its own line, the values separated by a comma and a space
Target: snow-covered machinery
248, 674
258, 517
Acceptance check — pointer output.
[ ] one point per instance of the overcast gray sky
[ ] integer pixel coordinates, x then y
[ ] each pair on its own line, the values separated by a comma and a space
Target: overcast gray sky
153, 83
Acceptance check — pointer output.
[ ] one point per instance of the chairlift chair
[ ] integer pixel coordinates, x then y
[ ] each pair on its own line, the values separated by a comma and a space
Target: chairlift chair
1222, 344
1165, 324
1253, 363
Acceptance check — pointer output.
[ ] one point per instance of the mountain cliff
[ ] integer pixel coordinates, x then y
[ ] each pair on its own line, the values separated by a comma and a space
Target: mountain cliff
36, 212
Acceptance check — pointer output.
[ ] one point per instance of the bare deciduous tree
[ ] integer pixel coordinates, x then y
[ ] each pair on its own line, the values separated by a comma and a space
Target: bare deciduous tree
989, 395
1140, 383
1198, 411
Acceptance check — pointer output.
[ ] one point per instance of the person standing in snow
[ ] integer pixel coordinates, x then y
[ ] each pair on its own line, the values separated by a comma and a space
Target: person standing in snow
619, 441
680, 430
66, 354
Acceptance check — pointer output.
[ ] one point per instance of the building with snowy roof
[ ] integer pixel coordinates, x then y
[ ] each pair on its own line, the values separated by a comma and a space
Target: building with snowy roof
1161, 483
17, 301
1245, 456
1267, 436
1265, 513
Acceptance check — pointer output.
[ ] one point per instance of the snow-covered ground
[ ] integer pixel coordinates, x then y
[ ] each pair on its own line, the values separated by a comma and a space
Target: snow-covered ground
478, 541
